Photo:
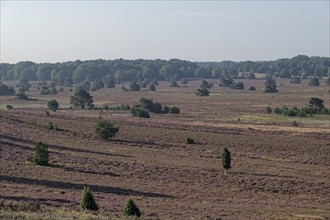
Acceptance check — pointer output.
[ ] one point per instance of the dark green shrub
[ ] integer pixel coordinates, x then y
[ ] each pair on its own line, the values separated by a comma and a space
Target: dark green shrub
166, 109
137, 111
239, 86
174, 84
41, 154
22, 96
270, 86
226, 159
202, 92
152, 88
295, 80
53, 105
190, 141
278, 111
252, 88
226, 82
105, 130
6, 90
131, 209
88, 201
268, 109
134, 87
150, 105
51, 126
294, 123
314, 82
174, 110
9, 107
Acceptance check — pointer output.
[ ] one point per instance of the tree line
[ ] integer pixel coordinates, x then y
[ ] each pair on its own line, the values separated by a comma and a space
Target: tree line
121, 70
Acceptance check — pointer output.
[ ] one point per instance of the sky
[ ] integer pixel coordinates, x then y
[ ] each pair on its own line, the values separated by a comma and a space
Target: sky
58, 31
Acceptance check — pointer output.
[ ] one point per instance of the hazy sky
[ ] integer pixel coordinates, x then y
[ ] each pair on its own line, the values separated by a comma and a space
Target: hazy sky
56, 31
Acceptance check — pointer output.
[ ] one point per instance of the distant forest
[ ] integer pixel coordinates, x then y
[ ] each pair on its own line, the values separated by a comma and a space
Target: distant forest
121, 70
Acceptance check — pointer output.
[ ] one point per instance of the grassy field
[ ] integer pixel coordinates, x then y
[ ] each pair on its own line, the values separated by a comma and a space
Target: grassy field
279, 171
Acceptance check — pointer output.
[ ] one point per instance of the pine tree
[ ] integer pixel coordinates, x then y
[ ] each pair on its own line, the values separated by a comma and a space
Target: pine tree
226, 159
131, 209
88, 202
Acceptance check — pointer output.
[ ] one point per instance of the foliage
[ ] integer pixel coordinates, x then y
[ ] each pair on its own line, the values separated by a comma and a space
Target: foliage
238, 85
315, 105
66, 73
40, 154
105, 130
88, 201
252, 88
134, 87
6, 90
9, 107
190, 141
270, 86
131, 209
138, 111
150, 105
152, 88
314, 82
202, 92
51, 126
174, 84
205, 85
226, 82
174, 110
226, 159
22, 96
268, 109
166, 109
81, 98
53, 105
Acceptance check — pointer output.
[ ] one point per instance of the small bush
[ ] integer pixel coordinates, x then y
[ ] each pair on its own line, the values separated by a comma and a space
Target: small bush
9, 107
152, 88
294, 123
137, 111
166, 109
105, 130
174, 110
22, 96
41, 154
131, 209
190, 141
87, 201
252, 88
268, 110
53, 105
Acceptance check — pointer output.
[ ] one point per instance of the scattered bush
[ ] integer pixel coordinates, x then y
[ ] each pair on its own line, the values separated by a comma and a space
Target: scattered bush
268, 109
22, 96
226, 159
190, 141
6, 90
238, 85
252, 88
152, 88
88, 201
166, 109
174, 84
314, 82
134, 87
295, 80
131, 209
270, 86
40, 154
105, 130
53, 105
226, 82
137, 111
9, 107
202, 92
150, 105
174, 110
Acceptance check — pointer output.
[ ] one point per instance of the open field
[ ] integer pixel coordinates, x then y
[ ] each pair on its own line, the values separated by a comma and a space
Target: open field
279, 171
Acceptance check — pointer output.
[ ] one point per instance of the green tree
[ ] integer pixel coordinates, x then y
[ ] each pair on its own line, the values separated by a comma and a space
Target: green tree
138, 111
202, 92
226, 159
105, 130
152, 88
270, 85
131, 209
81, 98
6, 90
41, 154
88, 201
53, 105
314, 82
315, 105
174, 110
134, 87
